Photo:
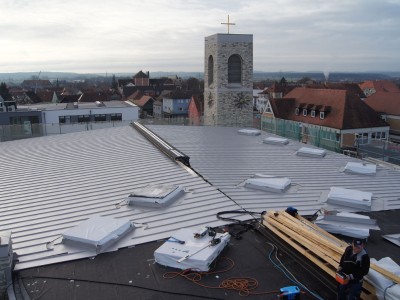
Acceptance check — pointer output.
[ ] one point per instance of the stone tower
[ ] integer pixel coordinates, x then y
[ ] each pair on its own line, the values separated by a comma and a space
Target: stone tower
228, 80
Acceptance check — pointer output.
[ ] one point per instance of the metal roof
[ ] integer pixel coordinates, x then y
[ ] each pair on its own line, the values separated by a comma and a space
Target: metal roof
226, 159
50, 184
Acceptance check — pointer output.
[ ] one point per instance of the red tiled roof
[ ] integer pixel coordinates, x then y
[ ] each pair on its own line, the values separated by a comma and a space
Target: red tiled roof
135, 95
350, 87
343, 109
142, 101
386, 102
380, 86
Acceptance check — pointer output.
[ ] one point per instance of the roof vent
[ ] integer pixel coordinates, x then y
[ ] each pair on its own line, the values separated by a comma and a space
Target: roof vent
249, 132
268, 183
98, 232
276, 141
155, 195
186, 250
360, 168
351, 198
310, 152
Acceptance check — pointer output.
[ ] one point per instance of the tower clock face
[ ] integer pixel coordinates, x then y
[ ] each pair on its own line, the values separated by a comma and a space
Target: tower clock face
241, 101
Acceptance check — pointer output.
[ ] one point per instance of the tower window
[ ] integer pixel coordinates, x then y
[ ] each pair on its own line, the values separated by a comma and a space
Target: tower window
210, 70
235, 69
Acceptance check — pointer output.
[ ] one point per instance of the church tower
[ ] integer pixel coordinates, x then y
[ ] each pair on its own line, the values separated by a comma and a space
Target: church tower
228, 80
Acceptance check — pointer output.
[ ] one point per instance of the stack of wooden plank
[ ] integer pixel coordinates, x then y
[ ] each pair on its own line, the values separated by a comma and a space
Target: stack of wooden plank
319, 246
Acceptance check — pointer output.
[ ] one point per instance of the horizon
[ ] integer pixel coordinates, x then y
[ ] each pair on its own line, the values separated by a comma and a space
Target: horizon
124, 36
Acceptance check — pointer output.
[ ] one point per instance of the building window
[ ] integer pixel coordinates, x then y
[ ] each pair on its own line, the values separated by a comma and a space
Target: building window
322, 115
297, 111
83, 118
362, 138
313, 113
100, 118
116, 117
235, 69
61, 120
305, 112
210, 70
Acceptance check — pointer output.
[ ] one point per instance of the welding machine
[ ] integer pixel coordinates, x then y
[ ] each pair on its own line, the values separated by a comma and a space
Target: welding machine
290, 293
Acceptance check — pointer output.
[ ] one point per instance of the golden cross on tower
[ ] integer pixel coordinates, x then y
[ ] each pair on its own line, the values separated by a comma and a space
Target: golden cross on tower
228, 24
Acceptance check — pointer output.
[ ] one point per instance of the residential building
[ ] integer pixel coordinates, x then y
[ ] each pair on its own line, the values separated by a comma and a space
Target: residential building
336, 119
145, 104
141, 79
196, 109
176, 104
372, 86
388, 105
36, 84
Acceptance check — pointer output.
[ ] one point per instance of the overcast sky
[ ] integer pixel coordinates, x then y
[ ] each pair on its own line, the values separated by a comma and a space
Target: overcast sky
159, 35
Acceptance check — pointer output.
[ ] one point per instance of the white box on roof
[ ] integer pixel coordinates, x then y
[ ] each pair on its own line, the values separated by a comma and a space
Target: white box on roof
98, 232
275, 141
249, 131
155, 195
360, 168
311, 152
198, 251
351, 198
268, 183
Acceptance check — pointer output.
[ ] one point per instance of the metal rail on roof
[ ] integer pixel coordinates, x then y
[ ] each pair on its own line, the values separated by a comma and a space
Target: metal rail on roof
161, 144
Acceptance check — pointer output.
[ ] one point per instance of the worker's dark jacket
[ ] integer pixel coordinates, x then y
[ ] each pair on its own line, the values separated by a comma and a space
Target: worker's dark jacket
355, 264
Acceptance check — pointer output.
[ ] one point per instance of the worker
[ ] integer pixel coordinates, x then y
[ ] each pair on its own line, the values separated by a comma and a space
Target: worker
354, 265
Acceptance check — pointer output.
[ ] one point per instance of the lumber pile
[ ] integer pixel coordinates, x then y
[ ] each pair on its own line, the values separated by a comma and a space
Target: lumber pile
319, 246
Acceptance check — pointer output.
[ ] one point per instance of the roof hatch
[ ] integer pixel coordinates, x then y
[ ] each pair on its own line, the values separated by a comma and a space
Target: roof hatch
275, 141
268, 183
360, 168
351, 198
311, 152
249, 131
155, 195
98, 232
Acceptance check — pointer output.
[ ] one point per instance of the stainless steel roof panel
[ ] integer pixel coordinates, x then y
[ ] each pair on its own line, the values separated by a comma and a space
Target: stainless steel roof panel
226, 159
50, 184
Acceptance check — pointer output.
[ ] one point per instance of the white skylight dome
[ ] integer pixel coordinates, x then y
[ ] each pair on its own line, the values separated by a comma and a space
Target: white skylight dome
276, 141
351, 198
360, 168
311, 152
98, 232
249, 132
268, 183
155, 195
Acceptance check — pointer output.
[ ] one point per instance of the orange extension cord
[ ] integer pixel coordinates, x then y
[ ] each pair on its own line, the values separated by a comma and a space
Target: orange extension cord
245, 286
